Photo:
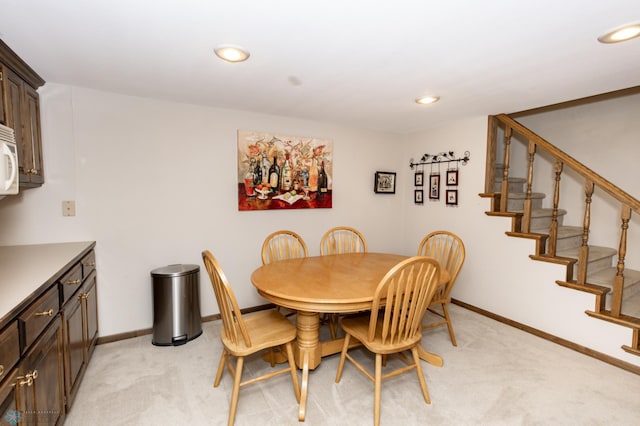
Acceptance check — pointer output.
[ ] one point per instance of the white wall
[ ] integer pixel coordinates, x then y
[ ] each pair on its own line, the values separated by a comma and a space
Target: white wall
155, 184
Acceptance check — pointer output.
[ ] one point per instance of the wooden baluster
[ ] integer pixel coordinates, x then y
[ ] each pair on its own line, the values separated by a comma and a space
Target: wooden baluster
490, 169
504, 189
553, 229
526, 224
618, 281
583, 257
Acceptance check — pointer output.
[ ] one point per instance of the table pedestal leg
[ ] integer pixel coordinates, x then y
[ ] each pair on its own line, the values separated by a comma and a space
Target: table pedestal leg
430, 357
307, 352
304, 385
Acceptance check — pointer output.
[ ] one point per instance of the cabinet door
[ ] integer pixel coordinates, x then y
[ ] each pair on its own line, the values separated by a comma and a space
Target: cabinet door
13, 87
31, 137
43, 395
74, 346
90, 305
23, 116
2, 118
9, 409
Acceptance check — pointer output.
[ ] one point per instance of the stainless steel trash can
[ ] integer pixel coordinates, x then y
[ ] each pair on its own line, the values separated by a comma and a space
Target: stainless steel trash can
176, 304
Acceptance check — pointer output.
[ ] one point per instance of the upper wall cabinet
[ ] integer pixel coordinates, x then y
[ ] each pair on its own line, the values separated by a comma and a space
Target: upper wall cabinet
20, 110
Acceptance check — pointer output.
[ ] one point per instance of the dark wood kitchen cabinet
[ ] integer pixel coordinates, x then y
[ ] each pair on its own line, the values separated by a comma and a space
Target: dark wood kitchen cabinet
80, 314
2, 99
40, 382
48, 336
32, 393
8, 398
21, 111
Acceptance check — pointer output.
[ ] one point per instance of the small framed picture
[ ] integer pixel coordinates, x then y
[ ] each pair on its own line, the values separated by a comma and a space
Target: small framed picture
417, 196
452, 197
434, 186
452, 177
418, 179
385, 183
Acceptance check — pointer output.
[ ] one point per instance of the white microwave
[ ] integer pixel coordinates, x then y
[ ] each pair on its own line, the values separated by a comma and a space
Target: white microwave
9, 180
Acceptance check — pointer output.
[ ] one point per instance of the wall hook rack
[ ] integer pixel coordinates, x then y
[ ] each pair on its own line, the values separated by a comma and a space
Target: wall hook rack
442, 157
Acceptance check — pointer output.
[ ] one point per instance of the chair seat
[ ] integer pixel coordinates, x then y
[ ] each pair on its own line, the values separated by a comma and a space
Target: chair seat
266, 329
358, 327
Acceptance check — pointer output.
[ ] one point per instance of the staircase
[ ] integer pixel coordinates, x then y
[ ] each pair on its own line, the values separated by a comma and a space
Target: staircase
601, 260
589, 268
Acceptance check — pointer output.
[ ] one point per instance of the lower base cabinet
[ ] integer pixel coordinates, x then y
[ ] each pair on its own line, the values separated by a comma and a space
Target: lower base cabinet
8, 399
39, 385
74, 363
46, 345
80, 316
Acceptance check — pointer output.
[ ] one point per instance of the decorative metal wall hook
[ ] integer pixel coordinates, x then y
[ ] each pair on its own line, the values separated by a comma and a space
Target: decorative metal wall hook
442, 157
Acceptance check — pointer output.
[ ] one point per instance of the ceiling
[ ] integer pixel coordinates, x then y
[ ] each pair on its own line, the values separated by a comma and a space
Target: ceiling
358, 63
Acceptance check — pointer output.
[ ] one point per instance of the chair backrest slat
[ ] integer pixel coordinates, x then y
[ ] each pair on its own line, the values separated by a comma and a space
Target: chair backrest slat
233, 325
343, 239
282, 245
448, 249
402, 298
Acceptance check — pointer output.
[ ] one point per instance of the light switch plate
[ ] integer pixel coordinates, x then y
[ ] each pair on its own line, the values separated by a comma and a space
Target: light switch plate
68, 208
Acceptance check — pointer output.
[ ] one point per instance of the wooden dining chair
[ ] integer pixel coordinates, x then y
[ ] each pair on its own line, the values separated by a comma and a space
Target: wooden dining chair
243, 335
282, 245
342, 239
448, 249
394, 325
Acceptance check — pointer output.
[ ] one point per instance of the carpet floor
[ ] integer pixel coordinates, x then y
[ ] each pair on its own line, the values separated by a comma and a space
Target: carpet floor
497, 375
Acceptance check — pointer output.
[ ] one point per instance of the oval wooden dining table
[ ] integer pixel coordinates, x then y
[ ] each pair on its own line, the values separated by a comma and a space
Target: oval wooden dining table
343, 283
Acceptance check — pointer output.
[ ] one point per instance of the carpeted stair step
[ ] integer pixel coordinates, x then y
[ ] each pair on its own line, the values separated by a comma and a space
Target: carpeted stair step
599, 258
516, 200
515, 184
631, 292
541, 218
568, 236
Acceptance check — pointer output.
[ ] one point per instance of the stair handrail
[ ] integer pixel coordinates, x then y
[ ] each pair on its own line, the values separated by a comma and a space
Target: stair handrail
611, 189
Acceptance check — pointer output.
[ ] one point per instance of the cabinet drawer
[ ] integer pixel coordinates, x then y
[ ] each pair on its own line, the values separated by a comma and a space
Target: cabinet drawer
70, 283
88, 264
37, 316
9, 349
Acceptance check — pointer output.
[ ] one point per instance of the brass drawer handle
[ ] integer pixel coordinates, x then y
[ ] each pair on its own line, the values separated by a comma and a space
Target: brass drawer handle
73, 282
48, 313
1, 369
84, 296
31, 172
90, 264
30, 378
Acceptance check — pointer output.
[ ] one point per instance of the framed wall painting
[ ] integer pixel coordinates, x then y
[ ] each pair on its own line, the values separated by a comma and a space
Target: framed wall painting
418, 179
434, 186
452, 177
452, 197
418, 196
283, 172
385, 183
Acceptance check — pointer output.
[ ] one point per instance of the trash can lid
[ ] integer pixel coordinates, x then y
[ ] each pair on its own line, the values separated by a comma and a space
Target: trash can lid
175, 270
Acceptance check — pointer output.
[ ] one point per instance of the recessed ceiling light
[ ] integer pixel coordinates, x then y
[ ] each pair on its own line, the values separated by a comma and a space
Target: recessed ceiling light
621, 34
231, 53
426, 100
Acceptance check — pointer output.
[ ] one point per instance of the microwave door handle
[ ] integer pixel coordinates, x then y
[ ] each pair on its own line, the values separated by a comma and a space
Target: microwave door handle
14, 167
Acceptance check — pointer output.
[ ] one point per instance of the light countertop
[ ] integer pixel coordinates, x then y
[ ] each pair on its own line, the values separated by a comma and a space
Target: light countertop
29, 270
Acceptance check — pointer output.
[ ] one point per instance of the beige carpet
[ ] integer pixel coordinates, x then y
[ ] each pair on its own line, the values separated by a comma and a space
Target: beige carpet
496, 376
